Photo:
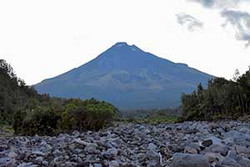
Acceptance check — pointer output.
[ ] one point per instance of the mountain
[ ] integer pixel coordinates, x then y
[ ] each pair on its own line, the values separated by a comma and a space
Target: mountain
127, 77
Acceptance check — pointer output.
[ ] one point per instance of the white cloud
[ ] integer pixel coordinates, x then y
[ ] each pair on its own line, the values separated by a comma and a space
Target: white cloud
218, 3
240, 22
189, 21
233, 12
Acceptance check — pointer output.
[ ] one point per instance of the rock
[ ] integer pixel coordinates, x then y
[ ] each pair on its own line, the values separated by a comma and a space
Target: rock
114, 164
244, 162
83, 164
152, 155
218, 148
152, 146
76, 134
229, 162
39, 160
4, 160
141, 157
39, 153
110, 153
186, 144
12, 155
189, 160
70, 164
90, 148
45, 163
214, 157
207, 143
81, 142
190, 150
97, 165
57, 152
242, 150
27, 165
21, 156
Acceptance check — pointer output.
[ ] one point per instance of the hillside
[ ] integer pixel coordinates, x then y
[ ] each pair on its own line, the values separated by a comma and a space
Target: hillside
127, 77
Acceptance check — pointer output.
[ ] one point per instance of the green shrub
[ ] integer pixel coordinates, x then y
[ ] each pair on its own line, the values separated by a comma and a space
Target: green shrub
86, 115
41, 121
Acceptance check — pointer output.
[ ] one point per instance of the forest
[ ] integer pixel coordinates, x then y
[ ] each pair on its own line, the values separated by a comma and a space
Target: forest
222, 99
30, 113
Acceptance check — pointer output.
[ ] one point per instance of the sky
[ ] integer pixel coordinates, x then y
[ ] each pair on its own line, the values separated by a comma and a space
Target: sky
42, 39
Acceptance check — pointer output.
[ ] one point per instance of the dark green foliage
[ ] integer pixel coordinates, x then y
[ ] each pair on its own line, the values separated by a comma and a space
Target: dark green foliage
13, 93
222, 99
42, 121
175, 112
86, 115
154, 116
30, 113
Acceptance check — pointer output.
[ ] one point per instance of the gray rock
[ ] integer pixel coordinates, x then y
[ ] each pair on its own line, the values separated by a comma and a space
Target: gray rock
39, 153
207, 143
180, 145
114, 164
39, 160
110, 153
218, 148
81, 142
76, 134
229, 162
57, 152
152, 155
90, 148
242, 150
244, 162
12, 154
141, 157
97, 165
214, 157
190, 150
45, 163
189, 160
4, 160
152, 146
27, 165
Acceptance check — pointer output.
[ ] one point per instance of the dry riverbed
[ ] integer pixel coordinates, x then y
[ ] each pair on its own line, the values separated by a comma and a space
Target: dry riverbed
188, 144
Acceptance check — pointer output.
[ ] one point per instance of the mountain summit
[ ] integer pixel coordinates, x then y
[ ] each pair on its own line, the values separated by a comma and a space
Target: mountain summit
127, 77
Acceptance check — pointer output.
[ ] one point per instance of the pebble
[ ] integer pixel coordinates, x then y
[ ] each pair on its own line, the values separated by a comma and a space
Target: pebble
187, 144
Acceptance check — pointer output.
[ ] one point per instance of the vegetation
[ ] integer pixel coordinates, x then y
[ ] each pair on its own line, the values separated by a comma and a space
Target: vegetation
222, 99
30, 113
154, 116
89, 114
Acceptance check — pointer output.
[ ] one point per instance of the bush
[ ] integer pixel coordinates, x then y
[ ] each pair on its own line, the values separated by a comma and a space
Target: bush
86, 115
41, 121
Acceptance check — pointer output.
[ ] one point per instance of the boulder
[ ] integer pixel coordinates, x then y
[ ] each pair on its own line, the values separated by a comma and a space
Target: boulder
189, 160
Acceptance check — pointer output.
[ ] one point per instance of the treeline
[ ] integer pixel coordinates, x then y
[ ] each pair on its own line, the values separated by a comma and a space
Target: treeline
222, 99
143, 113
153, 116
30, 113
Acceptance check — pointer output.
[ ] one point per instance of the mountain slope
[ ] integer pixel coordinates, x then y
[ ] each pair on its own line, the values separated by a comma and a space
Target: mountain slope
127, 77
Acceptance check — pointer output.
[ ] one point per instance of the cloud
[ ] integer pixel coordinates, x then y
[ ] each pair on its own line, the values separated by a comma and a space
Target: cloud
189, 21
218, 3
241, 23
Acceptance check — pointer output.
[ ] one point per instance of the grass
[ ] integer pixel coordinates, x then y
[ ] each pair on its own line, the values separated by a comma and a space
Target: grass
6, 131
151, 120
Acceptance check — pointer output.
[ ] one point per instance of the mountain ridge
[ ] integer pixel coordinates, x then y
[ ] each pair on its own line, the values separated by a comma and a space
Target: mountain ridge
128, 77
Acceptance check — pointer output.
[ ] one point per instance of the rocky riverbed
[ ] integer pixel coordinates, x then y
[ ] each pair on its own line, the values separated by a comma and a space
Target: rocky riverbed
188, 144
